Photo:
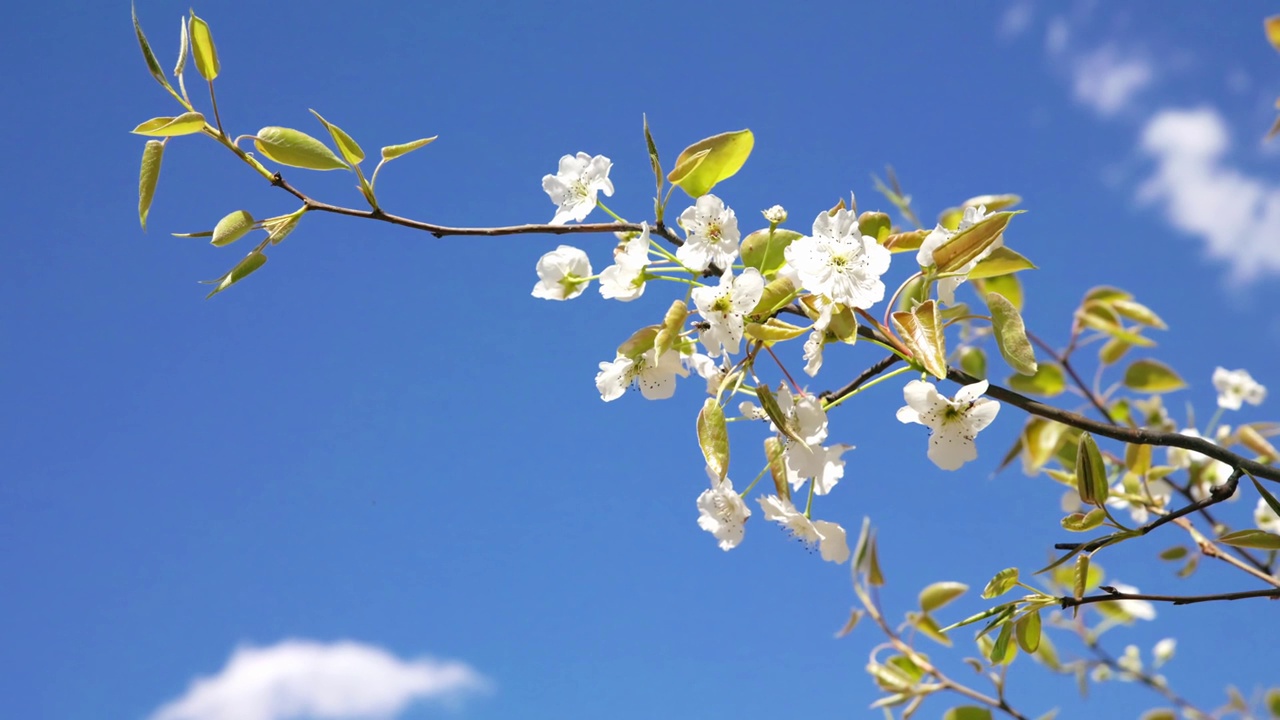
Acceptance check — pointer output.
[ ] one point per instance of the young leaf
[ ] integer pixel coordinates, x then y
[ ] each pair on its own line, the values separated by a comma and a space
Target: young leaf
974, 362
922, 333
1007, 285
183, 49
202, 49
1000, 649
773, 452
349, 148
1001, 261
1272, 27
967, 712
875, 224
763, 250
243, 269
296, 149
231, 228
153, 65
1152, 376
653, 154
724, 156
769, 404
773, 331
904, 241
1027, 630
939, 594
640, 342
1047, 382
152, 154
391, 152
1138, 313
1267, 497
971, 242
776, 294
1002, 583
993, 203
713, 438
184, 124
672, 323
1011, 335
1112, 350
1177, 552
1252, 538
1091, 472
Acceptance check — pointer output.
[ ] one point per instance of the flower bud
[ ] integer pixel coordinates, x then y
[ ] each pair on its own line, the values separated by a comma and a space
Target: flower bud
776, 215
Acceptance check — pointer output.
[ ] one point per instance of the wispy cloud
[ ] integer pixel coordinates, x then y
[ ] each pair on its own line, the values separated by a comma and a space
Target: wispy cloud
1107, 78
307, 679
1236, 215
1016, 19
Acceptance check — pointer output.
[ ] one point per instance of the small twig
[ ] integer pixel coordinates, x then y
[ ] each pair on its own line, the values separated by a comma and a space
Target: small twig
1075, 377
1112, 595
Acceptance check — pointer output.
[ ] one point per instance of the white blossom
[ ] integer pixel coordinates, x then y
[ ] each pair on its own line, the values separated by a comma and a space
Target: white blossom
562, 274
1160, 493
806, 415
722, 512
1163, 651
1266, 518
1136, 609
813, 352
828, 536
655, 376
819, 462
708, 370
954, 423
939, 235
574, 187
839, 262
624, 279
775, 215
724, 307
712, 235
1236, 386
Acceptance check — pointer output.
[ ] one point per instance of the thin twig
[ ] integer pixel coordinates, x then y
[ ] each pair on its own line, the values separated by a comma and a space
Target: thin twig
1111, 595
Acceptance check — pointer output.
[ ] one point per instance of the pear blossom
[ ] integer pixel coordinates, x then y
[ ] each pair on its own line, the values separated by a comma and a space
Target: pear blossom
775, 215
708, 370
954, 423
1266, 518
724, 308
1163, 651
655, 376
813, 352
822, 463
805, 414
712, 235
1236, 386
574, 187
1182, 458
1160, 492
624, 279
828, 536
1131, 660
722, 512
940, 235
839, 262
562, 274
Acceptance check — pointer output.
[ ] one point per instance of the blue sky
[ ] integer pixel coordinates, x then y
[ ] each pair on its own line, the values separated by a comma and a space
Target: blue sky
381, 439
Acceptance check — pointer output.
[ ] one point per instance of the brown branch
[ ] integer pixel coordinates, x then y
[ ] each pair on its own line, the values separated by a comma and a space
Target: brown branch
1112, 595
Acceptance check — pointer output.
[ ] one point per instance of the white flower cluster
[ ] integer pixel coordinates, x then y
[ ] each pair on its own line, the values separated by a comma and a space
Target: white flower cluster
836, 264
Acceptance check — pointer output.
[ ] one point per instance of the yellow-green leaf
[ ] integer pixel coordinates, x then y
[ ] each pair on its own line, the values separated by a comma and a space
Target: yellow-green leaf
243, 269
921, 331
1138, 313
724, 155
672, 324
640, 342
1152, 376
993, 203
349, 148
1267, 497
769, 404
1177, 552
929, 628
1084, 522
279, 228
967, 712
184, 124
1137, 458
1080, 578
231, 228
974, 362
774, 454
774, 330
1000, 649
153, 65
776, 294
202, 49
713, 438
1048, 381
184, 47
1112, 350
1272, 26
296, 149
391, 152
1002, 583
1011, 335
941, 593
1007, 285
764, 250
875, 224
971, 242
152, 154
1027, 630
1159, 714
1273, 702
1251, 538
1091, 472
904, 241
1001, 261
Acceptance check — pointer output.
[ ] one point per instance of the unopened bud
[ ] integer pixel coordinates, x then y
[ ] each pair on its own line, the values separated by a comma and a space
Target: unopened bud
776, 215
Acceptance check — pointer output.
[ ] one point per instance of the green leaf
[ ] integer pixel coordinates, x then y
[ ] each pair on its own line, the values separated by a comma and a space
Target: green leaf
184, 47
1047, 382
672, 324
1152, 376
296, 149
391, 152
1091, 472
764, 250
971, 242
231, 228
854, 616
875, 577
1080, 579
152, 154
774, 454
967, 712
713, 438
940, 593
1003, 582
1273, 695
1272, 27
974, 362
202, 48
184, 124
1001, 261
278, 228
922, 333
993, 203
875, 224
1000, 648
640, 342
1103, 318
1084, 522
1159, 714
1137, 458
773, 331
349, 148
1267, 497
243, 269
1027, 630
999, 612
696, 173
1007, 285
1011, 335
929, 628
776, 294
905, 241
1252, 538
653, 154
769, 404
1112, 350
1138, 313
1177, 552
153, 65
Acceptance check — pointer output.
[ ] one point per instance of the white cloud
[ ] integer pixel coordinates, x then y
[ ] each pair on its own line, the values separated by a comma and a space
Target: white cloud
1016, 19
1056, 36
1236, 215
306, 679
1106, 79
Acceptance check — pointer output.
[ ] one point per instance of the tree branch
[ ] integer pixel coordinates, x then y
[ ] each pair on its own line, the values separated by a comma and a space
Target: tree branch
1112, 595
